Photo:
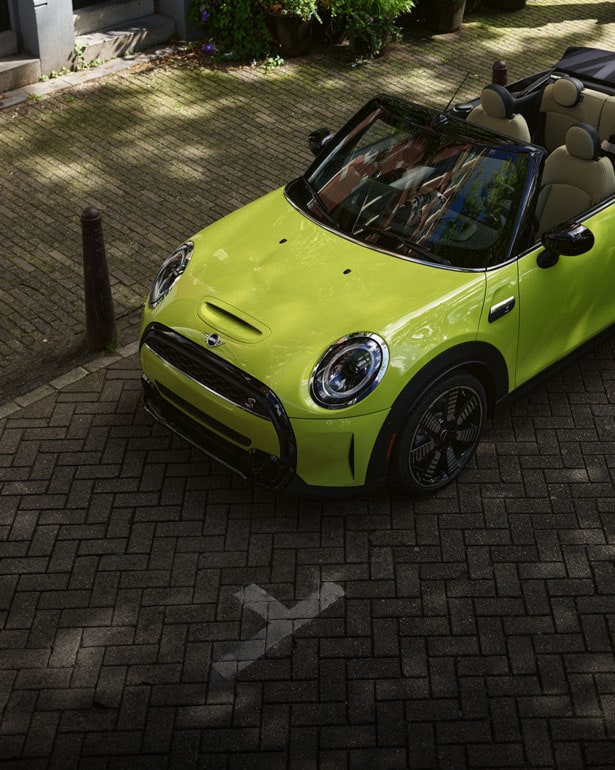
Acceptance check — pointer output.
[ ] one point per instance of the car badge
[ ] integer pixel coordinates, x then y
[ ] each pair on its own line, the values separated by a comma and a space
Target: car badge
213, 340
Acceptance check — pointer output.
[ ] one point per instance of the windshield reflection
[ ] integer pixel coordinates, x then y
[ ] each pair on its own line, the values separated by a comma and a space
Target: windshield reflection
419, 191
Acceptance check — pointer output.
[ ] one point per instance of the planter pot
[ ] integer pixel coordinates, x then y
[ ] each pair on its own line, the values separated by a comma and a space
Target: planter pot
292, 34
445, 16
506, 5
421, 11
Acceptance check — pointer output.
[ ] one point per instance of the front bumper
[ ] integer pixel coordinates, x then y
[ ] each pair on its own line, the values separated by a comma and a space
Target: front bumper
240, 422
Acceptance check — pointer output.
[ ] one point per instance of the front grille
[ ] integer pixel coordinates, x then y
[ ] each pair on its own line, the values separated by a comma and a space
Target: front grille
209, 370
235, 386
206, 419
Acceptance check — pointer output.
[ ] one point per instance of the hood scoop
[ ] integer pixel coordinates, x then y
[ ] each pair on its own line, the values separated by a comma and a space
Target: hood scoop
230, 321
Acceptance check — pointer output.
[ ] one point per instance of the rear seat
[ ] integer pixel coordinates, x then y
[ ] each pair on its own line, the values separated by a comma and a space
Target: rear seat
606, 127
566, 102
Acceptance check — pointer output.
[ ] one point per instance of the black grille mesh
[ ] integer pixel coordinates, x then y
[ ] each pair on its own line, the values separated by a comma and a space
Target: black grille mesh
208, 370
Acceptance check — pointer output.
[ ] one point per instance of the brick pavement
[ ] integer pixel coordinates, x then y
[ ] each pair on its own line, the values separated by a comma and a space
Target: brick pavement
156, 611
164, 149
473, 629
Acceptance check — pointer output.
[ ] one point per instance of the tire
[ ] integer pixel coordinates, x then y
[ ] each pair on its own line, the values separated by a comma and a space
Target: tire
440, 434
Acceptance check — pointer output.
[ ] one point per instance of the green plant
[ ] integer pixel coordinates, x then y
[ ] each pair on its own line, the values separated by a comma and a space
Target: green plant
305, 9
271, 62
79, 56
232, 29
79, 60
371, 24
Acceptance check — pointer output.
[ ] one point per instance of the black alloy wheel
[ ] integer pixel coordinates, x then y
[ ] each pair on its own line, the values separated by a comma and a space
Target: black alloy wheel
441, 434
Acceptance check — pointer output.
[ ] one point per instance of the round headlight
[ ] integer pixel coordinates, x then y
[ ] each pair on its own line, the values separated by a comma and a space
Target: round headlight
171, 270
349, 370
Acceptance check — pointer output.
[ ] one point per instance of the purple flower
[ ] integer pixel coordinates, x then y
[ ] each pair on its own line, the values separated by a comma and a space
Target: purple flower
208, 48
205, 14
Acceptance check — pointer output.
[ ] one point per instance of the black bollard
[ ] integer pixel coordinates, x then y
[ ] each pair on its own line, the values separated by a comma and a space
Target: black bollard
499, 73
99, 315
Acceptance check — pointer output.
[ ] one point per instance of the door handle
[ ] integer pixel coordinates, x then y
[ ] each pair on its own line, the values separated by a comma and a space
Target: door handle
501, 308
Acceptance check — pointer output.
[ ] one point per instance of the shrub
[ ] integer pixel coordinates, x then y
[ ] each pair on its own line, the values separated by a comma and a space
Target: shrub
371, 24
306, 9
234, 29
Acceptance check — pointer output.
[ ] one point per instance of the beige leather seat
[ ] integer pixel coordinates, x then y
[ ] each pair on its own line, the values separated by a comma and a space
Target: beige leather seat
575, 178
496, 112
567, 101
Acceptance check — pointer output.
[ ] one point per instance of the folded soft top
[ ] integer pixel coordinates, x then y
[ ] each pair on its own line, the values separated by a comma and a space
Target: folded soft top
589, 64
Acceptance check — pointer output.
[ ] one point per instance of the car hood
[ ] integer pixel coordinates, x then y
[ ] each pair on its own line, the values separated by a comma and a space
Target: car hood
279, 289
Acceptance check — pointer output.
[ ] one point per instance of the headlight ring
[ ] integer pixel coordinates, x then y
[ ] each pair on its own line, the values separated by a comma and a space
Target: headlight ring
349, 370
172, 269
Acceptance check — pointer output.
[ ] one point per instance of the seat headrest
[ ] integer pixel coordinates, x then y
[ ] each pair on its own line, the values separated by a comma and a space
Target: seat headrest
583, 141
497, 102
568, 91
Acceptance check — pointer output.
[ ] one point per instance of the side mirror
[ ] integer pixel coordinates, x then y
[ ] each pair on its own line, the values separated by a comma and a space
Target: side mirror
463, 110
319, 139
567, 240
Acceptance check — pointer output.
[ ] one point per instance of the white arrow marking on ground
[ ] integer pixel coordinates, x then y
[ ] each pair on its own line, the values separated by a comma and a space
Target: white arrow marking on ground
281, 622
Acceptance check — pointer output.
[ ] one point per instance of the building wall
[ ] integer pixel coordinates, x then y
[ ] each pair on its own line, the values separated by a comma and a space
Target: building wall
46, 31
96, 17
178, 10
46, 28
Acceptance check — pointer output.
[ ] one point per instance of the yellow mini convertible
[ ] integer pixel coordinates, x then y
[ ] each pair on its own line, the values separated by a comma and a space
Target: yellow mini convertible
358, 326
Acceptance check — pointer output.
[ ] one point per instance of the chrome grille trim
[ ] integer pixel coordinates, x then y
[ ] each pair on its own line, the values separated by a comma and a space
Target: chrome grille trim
210, 372
203, 430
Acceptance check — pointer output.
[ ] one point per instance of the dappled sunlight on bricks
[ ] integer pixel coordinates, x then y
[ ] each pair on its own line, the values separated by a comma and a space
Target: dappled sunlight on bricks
476, 626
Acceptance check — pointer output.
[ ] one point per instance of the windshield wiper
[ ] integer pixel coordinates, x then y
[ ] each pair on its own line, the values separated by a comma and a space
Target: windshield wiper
322, 209
410, 245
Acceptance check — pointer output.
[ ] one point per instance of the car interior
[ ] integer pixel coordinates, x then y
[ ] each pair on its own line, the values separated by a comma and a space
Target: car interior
573, 120
397, 187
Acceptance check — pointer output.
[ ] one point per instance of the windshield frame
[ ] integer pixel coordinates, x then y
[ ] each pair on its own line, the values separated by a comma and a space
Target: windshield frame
305, 198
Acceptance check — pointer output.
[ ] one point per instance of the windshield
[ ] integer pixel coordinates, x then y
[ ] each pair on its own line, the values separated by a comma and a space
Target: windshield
418, 191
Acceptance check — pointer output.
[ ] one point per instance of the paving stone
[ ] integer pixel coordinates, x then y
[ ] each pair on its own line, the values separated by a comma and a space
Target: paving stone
476, 628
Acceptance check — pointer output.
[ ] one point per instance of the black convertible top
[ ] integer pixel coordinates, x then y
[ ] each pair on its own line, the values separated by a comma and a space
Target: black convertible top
589, 65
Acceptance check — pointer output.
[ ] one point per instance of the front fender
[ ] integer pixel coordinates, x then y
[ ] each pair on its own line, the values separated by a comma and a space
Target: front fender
482, 359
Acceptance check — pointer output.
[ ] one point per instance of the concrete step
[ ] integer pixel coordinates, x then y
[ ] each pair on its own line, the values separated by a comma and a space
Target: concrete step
110, 14
18, 71
125, 38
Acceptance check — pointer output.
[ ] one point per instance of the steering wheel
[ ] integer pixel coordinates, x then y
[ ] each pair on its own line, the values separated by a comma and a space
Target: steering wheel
417, 203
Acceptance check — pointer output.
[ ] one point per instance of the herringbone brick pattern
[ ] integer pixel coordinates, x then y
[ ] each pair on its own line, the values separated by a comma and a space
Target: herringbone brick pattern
472, 629
164, 150
155, 611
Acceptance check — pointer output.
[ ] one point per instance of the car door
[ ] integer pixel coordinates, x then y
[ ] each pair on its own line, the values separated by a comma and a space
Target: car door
499, 323
563, 306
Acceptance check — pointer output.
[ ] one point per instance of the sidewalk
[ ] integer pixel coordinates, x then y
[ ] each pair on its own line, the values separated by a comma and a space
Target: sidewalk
162, 150
155, 611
